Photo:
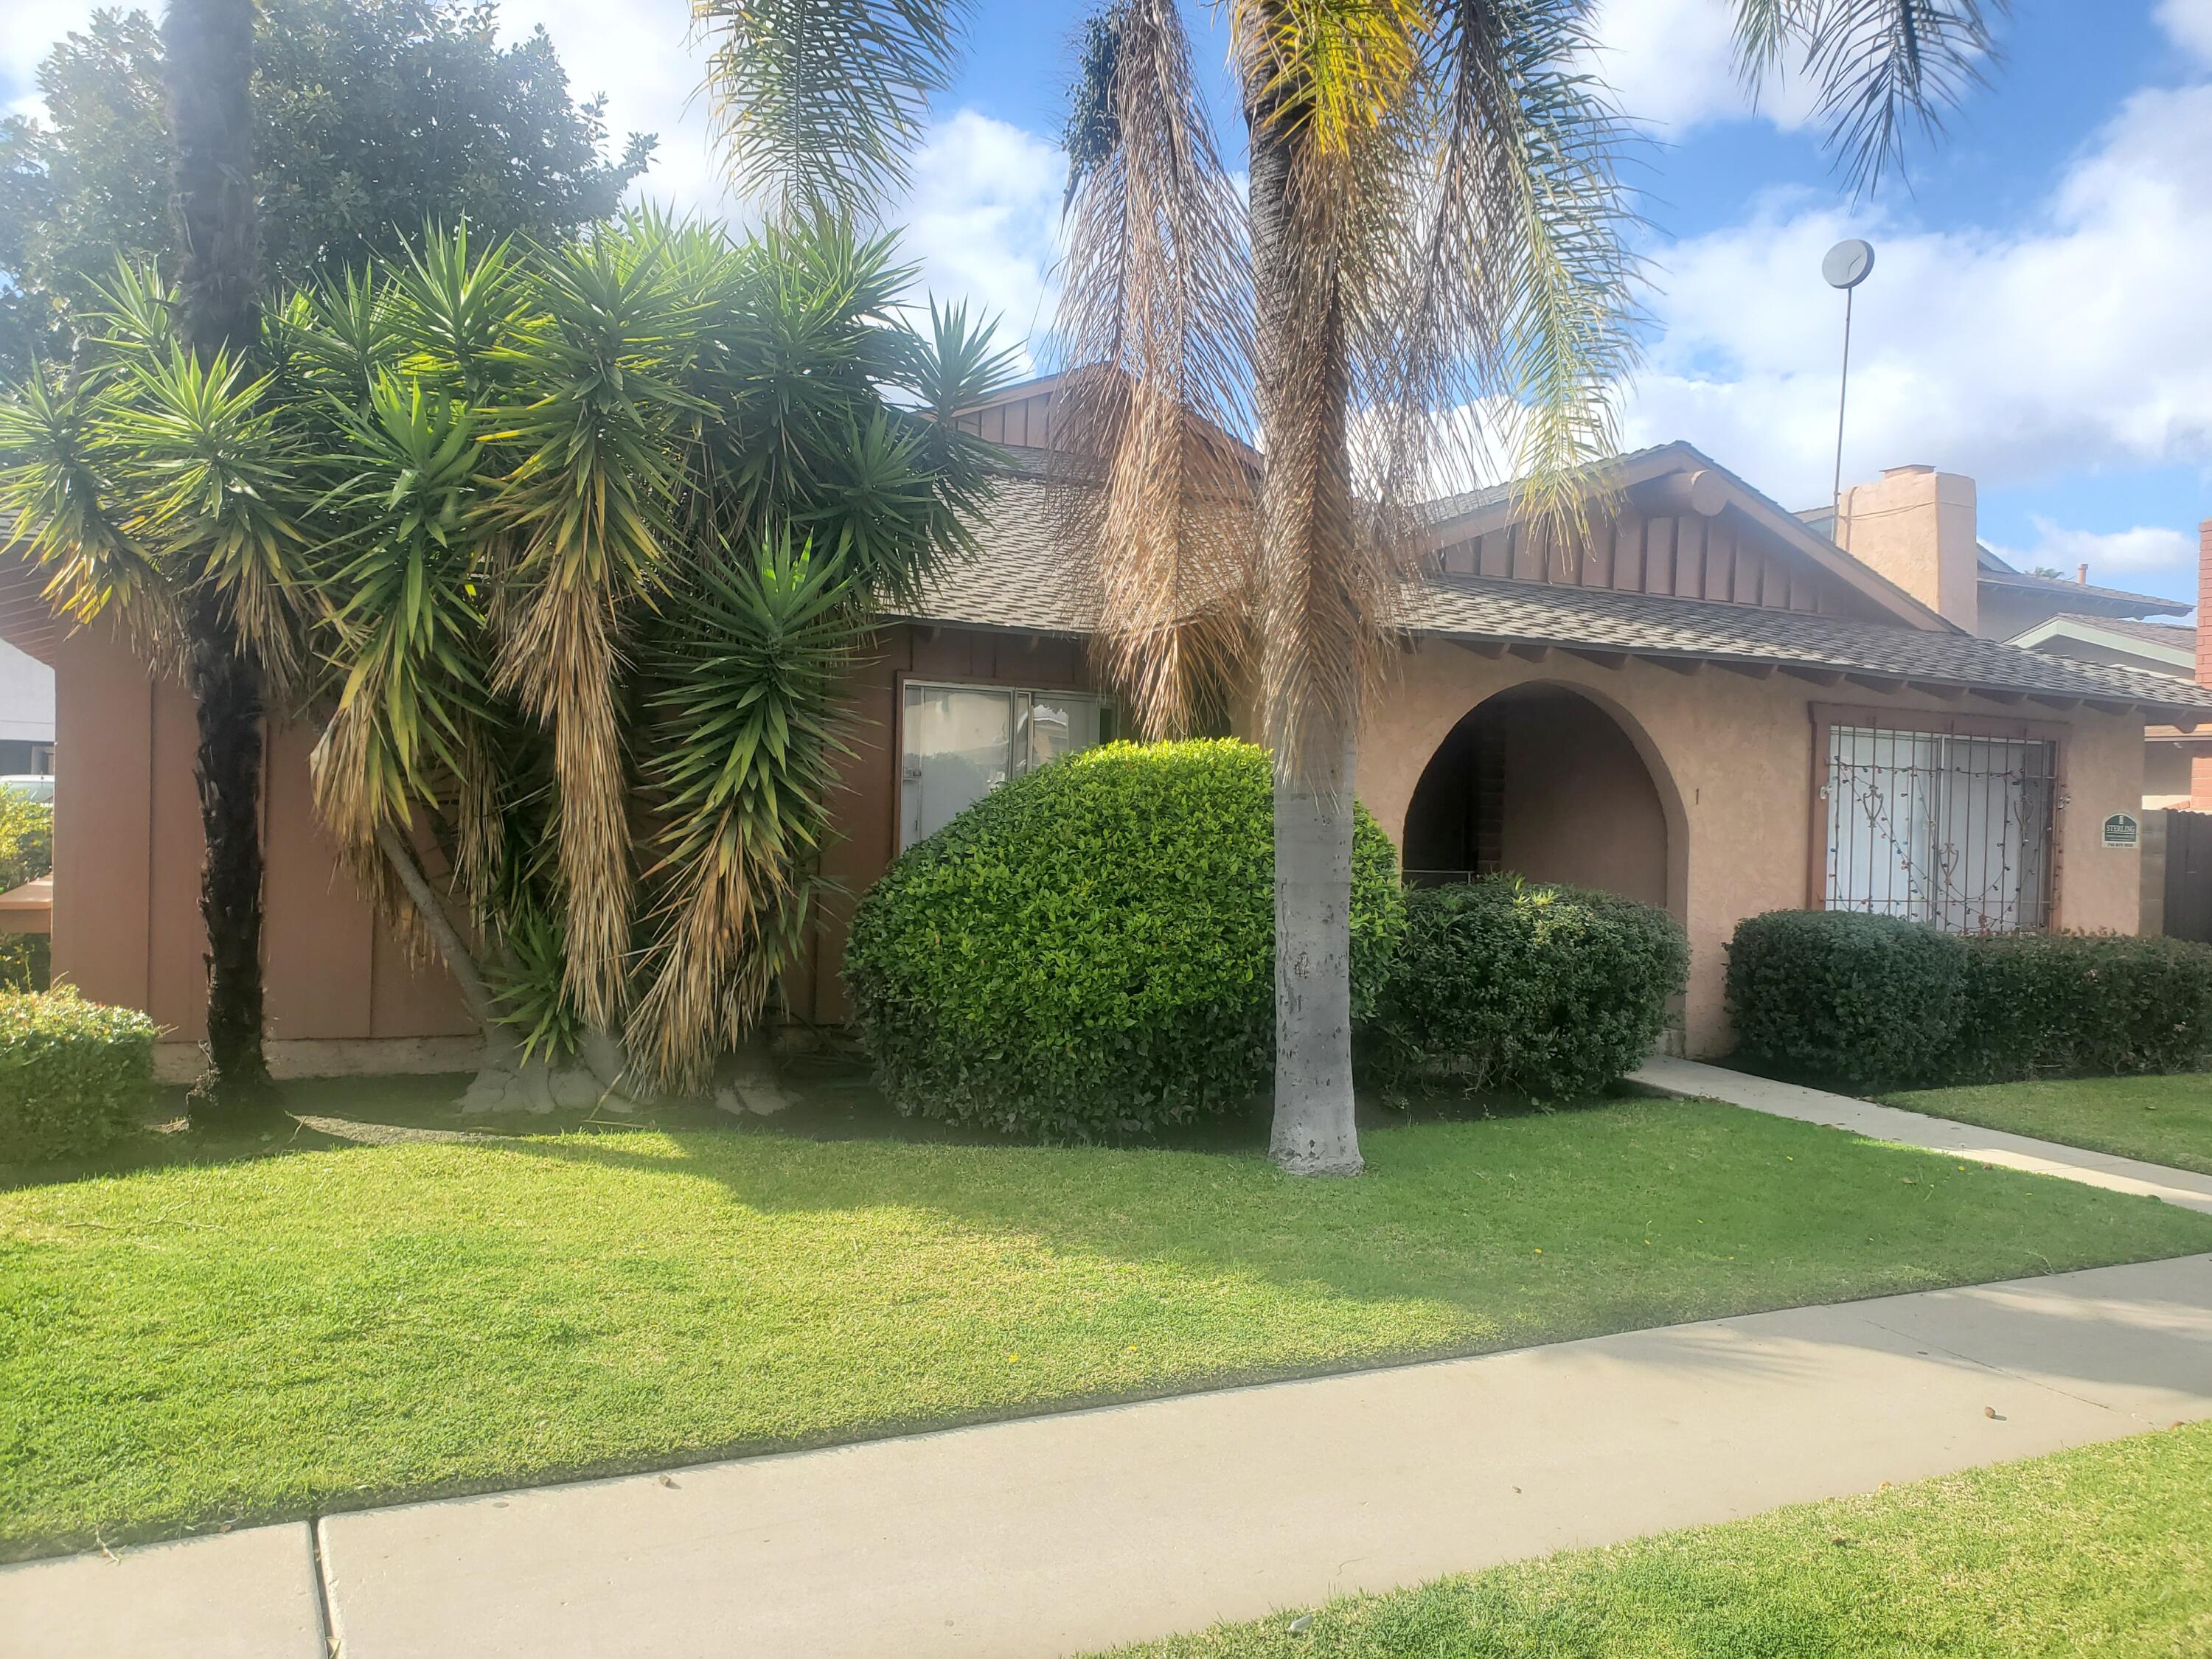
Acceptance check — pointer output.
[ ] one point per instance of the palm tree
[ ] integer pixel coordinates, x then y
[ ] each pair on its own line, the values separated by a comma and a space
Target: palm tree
1429, 272
208, 47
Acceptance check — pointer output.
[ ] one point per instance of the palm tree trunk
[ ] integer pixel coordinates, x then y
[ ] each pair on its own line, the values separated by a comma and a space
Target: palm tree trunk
1314, 1131
207, 51
1306, 544
226, 690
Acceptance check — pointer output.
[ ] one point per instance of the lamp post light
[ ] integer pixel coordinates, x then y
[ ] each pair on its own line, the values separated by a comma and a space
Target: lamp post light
1845, 266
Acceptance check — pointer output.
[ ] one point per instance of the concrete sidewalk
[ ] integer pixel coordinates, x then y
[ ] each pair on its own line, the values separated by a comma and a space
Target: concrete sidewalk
2119, 1174
1064, 1534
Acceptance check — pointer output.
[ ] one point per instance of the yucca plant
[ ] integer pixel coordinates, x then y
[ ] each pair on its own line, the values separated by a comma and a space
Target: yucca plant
561, 552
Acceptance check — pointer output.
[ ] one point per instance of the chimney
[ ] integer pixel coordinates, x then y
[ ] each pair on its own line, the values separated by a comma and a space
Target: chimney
1917, 527
2082, 575
2200, 766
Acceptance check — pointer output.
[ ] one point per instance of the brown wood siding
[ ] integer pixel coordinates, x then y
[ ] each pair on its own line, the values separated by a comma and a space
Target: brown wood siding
864, 809
1723, 559
1024, 422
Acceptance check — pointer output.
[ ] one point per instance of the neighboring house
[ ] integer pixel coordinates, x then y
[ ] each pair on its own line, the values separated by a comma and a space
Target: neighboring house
26, 715
1710, 706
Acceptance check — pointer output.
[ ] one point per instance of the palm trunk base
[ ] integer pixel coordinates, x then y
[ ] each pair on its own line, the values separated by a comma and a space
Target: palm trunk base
1315, 1132
593, 1080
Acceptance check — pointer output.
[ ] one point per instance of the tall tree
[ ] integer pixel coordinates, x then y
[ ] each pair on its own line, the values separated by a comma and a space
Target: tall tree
565, 552
1431, 268
209, 48
369, 117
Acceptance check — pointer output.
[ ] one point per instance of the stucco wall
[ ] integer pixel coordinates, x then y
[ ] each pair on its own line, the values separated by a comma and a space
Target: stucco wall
1731, 758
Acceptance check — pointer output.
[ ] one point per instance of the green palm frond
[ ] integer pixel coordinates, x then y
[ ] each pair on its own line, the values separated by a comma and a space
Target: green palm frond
529, 986
460, 307
1885, 69
817, 103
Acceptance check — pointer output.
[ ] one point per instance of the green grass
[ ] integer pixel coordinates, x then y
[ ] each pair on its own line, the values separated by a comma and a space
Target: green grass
200, 1343
2105, 1551
2161, 1119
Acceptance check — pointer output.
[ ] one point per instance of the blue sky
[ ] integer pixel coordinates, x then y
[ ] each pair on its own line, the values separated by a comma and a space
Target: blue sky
2036, 318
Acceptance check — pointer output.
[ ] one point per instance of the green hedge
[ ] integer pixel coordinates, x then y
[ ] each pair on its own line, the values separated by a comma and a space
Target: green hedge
1088, 952
1549, 993
1870, 1002
1875, 1002
73, 1073
2083, 1005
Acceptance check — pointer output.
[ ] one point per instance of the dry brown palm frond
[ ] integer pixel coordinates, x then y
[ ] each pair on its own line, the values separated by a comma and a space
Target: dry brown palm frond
1508, 303
1151, 485
1321, 78
561, 665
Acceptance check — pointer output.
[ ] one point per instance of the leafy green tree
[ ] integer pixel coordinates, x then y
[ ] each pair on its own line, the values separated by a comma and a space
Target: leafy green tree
565, 551
1433, 226
369, 116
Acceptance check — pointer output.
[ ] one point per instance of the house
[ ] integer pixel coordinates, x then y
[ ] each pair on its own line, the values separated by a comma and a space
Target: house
26, 715
1709, 705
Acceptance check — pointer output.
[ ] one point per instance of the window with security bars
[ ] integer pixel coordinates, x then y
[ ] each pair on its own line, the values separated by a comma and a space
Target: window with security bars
1939, 827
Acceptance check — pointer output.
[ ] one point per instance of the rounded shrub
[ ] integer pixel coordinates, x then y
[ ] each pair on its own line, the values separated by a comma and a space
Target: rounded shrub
1548, 993
73, 1073
2094, 1005
1088, 952
1864, 1001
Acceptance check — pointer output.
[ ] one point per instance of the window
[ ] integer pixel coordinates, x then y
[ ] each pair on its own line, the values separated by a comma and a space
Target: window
961, 742
1940, 828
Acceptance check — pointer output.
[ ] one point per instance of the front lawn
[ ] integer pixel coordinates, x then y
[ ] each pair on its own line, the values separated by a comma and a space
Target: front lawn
188, 1345
2106, 1550
2161, 1119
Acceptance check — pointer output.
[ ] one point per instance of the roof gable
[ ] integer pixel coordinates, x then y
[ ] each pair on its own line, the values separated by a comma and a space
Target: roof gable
1681, 526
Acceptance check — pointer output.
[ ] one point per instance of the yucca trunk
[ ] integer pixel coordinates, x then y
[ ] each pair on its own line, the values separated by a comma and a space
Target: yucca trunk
1306, 546
208, 47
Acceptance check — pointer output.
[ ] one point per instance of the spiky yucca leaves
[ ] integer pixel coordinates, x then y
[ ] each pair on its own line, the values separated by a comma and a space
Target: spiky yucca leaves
206, 457
588, 511
408, 622
1151, 487
67, 519
816, 103
741, 764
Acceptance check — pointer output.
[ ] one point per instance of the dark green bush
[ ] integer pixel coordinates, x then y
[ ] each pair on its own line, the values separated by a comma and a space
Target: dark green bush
1867, 1002
1872, 1002
1549, 993
1088, 952
72, 1073
2083, 1005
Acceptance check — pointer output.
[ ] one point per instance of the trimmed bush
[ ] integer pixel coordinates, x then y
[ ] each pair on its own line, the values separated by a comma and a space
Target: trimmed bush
1549, 993
1875, 1002
1088, 952
1869, 1002
2098, 1005
72, 1073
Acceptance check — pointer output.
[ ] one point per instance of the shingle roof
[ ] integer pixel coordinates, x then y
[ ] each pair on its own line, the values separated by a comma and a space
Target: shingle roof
2179, 635
1017, 581
1994, 572
1646, 624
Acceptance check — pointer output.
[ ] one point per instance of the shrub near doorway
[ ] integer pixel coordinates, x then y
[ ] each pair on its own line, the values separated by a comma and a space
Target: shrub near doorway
1549, 993
1088, 952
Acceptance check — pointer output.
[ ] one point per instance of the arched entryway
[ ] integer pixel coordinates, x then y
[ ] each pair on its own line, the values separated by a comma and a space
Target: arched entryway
1542, 781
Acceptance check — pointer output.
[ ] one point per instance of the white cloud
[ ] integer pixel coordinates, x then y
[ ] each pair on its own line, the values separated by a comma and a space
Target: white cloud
2147, 548
1672, 64
2189, 24
983, 217
2075, 341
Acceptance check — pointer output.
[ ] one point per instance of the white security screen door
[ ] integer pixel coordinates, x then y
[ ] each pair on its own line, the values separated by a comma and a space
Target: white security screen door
961, 742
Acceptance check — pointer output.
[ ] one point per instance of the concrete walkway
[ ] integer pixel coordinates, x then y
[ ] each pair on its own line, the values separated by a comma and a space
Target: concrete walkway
1061, 1535
2119, 1174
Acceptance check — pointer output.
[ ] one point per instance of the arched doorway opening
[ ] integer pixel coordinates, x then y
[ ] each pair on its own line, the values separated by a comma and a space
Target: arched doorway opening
1542, 781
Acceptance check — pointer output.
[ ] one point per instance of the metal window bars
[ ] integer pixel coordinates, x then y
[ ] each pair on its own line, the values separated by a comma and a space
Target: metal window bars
1952, 830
